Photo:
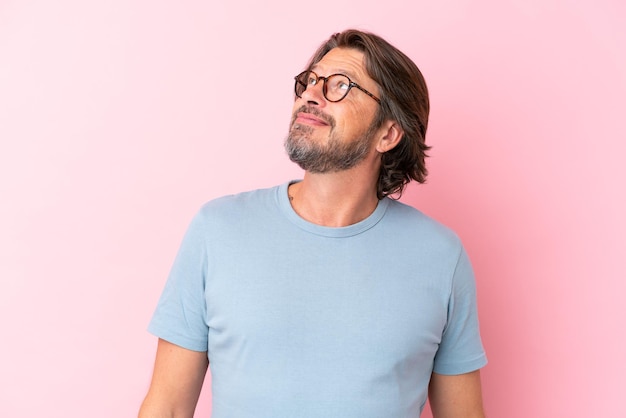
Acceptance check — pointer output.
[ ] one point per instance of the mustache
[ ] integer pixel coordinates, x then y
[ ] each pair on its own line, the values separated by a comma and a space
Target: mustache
315, 112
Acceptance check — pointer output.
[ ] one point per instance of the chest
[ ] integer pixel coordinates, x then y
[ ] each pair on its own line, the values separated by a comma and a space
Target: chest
326, 304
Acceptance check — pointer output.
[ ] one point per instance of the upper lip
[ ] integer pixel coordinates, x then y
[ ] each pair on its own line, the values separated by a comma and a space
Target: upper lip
306, 115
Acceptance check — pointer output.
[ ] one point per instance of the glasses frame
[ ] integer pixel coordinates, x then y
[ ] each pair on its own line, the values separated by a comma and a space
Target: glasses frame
324, 89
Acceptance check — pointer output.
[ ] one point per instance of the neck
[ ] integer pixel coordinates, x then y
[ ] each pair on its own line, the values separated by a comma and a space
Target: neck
334, 199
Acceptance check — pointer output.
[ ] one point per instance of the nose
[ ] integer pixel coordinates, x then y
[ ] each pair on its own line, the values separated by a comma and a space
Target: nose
315, 94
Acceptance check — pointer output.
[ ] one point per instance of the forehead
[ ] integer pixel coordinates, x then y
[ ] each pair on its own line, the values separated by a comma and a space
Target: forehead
350, 62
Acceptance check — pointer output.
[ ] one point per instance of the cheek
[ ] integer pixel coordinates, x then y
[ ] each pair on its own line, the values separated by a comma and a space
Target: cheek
358, 122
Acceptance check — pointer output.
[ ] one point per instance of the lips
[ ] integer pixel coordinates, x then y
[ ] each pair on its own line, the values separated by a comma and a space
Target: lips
310, 119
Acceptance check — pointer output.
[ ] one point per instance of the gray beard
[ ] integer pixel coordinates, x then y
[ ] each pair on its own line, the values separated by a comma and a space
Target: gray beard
331, 157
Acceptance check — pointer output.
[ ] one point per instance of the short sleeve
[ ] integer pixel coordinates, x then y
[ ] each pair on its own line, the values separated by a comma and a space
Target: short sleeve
180, 315
461, 349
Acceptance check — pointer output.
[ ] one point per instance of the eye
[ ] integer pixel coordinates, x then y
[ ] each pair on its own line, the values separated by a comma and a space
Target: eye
311, 81
343, 85
338, 83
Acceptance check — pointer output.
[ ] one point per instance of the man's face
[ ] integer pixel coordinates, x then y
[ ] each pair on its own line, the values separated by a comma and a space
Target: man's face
333, 136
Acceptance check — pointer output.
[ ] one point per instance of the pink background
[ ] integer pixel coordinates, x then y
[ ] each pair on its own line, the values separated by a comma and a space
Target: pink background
119, 118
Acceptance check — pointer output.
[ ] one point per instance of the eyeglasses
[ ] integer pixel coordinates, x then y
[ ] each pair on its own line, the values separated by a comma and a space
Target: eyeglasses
335, 87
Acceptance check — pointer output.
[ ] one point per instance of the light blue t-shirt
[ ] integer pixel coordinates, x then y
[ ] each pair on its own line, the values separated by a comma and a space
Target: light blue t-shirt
301, 320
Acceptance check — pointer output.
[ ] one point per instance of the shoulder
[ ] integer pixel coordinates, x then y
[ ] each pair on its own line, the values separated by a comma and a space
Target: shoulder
236, 204
237, 212
413, 224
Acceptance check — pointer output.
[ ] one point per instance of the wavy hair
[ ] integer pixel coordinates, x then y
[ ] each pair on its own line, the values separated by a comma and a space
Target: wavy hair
404, 99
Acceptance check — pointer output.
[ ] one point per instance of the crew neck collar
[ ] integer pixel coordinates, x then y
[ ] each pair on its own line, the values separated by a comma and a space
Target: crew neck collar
327, 231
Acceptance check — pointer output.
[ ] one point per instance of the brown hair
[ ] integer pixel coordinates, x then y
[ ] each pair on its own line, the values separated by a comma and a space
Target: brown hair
404, 99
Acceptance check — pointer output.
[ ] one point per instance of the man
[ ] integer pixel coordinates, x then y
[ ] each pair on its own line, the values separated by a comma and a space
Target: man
325, 297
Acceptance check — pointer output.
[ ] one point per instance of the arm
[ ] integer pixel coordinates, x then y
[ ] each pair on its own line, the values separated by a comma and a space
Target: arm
176, 382
456, 396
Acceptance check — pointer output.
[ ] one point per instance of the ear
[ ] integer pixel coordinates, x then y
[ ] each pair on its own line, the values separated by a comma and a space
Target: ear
392, 133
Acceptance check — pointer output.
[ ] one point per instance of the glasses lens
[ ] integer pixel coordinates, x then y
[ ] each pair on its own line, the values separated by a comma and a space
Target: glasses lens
303, 80
336, 87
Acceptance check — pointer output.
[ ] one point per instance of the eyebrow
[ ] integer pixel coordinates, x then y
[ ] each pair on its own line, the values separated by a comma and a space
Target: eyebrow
350, 74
